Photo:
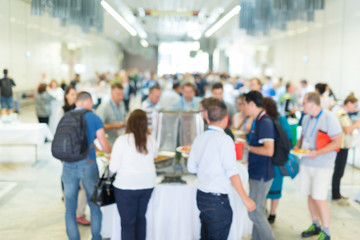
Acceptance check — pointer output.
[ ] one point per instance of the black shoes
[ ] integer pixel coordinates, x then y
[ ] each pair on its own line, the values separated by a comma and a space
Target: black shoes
271, 218
311, 231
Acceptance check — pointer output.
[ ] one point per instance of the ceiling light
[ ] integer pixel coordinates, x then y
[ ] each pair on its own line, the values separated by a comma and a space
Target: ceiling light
118, 18
222, 21
144, 43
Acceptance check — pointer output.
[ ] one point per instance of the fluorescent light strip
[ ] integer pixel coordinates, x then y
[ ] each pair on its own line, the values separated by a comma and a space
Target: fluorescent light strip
222, 21
118, 18
144, 43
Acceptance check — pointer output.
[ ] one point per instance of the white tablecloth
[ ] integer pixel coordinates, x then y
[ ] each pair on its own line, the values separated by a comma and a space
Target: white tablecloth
173, 214
24, 133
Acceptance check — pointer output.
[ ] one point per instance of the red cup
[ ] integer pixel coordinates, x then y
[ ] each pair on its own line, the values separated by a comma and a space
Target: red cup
239, 150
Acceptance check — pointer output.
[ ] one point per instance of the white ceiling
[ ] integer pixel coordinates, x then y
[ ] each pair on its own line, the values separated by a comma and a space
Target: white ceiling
173, 20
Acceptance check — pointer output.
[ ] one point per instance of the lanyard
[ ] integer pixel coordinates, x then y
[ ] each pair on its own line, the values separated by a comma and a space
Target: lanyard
261, 114
117, 115
307, 125
214, 129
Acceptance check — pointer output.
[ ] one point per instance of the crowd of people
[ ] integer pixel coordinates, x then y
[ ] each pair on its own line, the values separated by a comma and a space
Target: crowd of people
123, 114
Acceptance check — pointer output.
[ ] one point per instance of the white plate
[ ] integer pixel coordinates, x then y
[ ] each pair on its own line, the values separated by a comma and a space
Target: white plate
178, 149
299, 155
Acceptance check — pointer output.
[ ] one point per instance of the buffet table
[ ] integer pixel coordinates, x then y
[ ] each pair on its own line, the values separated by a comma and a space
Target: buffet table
24, 134
173, 214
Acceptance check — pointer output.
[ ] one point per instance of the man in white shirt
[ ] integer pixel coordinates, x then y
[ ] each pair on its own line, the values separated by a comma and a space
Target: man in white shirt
213, 159
305, 88
150, 106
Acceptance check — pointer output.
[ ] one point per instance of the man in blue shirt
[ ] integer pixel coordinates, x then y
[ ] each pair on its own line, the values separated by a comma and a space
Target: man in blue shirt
86, 171
261, 170
188, 102
212, 158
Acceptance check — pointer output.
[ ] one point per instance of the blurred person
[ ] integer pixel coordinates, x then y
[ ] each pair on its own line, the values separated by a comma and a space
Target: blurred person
63, 84
43, 103
55, 90
276, 186
112, 112
85, 171
129, 91
316, 168
327, 102
217, 92
268, 89
132, 159
201, 85
348, 127
217, 172
261, 170
150, 107
255, 84
76, 80
305, 88
170, 97
6, 85
148, 82
288, 104
240, 120
188, 101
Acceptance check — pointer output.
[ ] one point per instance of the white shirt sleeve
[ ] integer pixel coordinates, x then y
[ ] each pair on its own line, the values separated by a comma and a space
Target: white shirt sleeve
115, 158
229, 157
192, 165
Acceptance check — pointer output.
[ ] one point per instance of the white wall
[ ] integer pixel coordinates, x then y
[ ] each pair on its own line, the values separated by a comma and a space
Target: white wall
331, 43
53, 49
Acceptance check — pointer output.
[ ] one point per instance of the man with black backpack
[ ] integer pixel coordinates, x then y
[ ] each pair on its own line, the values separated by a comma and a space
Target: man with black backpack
261, 170
73, 144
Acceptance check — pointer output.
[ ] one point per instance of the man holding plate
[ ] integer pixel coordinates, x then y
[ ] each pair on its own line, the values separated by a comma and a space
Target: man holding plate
317, 166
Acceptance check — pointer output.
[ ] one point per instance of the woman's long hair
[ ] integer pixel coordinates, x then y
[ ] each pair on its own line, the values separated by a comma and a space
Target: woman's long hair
271, 108
138, 125
67, 107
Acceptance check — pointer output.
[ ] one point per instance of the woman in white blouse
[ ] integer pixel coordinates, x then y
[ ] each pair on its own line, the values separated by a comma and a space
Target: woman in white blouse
132, 159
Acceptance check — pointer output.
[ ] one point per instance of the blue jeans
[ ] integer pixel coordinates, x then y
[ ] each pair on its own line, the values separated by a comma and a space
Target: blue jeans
132, 206
87, 172
215, 215
7, 102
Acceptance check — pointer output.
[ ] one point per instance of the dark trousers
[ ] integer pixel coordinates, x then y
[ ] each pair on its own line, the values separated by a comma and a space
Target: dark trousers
340, 164
132, 206
215, 215
43, 120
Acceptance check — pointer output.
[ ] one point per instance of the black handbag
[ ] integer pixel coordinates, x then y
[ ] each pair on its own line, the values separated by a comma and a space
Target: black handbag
104, 191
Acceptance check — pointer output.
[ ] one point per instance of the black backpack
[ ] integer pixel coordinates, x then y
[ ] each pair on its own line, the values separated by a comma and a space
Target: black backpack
70, 142
282, 144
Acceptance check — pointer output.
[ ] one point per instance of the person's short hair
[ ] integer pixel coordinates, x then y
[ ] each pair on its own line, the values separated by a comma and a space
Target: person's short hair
216, 111
42, 88
5, 71
154, 87
256, 97
206, 102
257, 80
116, 85
350, 98
176, 85
188, 84
304, 81
217, 85
83, 96
288, 84
313, 97
321, 87
242, 97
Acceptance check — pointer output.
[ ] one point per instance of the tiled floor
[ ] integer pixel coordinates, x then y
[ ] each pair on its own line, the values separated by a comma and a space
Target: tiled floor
31, 206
